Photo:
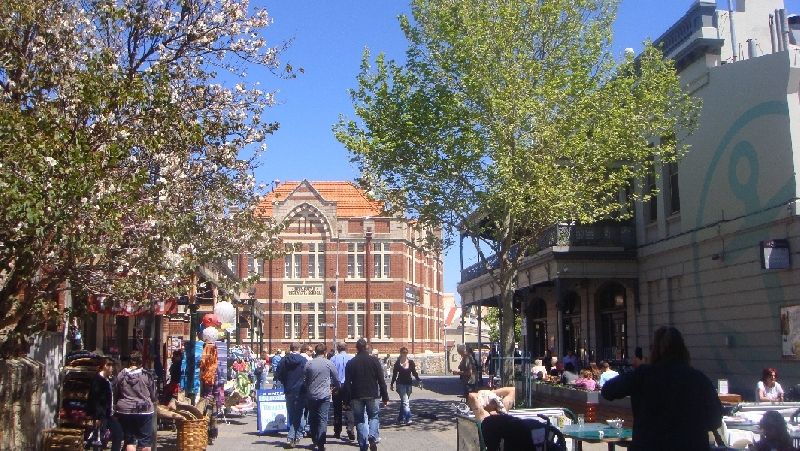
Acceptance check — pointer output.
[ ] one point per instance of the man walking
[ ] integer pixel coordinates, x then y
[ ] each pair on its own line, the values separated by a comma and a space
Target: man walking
291, 373
274, 362
340, 361
365, 384
321, 379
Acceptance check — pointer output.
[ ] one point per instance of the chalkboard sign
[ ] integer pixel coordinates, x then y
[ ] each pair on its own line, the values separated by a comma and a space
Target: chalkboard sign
271, 413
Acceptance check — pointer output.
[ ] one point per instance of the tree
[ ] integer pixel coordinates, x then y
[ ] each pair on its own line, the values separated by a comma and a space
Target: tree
508, 117
122, 149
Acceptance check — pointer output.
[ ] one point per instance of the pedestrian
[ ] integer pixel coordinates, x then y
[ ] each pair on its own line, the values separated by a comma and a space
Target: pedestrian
99, 406
467, 370
674, 405
322, 379
403, 369
173, 386
366, 387
261, 370
135, 394
276, 360
291, 374
340, 361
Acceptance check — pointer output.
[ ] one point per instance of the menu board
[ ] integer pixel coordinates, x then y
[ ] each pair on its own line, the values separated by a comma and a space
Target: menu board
271, 411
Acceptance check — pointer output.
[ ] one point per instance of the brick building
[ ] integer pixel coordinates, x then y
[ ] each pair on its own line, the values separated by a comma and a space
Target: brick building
387, 291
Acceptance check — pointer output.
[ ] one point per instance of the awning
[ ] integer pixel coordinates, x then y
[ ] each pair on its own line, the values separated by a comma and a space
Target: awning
110, 306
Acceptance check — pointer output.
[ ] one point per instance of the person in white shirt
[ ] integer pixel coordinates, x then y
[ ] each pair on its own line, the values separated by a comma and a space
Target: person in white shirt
768, 388
607, 373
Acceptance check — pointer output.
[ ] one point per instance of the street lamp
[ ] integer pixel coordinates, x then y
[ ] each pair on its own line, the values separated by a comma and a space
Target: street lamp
368, 269
336, 294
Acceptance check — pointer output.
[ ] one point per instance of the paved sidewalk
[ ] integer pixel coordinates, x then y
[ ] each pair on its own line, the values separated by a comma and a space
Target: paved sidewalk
435, 432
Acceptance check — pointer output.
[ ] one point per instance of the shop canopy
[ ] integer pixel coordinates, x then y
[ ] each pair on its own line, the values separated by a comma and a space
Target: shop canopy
110, 306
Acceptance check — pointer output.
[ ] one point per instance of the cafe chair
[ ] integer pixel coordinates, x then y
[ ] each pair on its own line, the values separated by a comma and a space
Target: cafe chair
518, 434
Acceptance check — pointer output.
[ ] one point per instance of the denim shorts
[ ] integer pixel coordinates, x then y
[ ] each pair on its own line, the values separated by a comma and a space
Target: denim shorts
137, 427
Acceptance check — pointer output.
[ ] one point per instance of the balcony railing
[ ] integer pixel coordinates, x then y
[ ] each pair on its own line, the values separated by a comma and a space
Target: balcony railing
599, 234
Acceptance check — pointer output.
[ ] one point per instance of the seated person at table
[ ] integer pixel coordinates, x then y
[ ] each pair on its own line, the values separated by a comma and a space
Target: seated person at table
768, 388
606, 373
491, 402
774, 434
538, 368
568, 377
585, 380
674, 405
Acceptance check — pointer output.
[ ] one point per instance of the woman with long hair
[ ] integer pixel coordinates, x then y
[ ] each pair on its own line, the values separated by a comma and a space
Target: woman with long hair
404, 368
774, 434
674, 405
768, 388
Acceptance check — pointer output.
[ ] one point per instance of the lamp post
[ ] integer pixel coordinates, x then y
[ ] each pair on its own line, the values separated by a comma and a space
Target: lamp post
336, 294
270, 307
368, 269
251, 298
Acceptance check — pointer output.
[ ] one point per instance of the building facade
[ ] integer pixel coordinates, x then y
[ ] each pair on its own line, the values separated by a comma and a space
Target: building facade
355, 273
713, 253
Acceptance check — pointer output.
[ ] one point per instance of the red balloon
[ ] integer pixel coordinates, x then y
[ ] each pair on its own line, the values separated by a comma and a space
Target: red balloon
210, 320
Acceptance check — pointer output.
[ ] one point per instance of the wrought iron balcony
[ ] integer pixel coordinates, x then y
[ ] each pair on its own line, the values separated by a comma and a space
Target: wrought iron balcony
607, 233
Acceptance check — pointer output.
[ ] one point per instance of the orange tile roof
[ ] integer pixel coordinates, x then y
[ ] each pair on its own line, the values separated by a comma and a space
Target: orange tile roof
351, 201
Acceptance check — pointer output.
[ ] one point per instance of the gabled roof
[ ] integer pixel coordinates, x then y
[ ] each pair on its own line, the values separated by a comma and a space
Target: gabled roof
351, 201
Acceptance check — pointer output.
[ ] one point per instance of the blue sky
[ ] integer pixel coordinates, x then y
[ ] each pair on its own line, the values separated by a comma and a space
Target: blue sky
329, 40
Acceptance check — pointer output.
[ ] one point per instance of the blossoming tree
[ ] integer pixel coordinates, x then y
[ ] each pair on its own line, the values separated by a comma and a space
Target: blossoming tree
129, 135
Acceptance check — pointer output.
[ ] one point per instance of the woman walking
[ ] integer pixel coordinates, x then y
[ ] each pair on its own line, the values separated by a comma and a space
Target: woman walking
404, 368
135, 395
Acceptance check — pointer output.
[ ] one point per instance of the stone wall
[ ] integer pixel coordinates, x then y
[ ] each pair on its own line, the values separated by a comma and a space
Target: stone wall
430, 363
21, 383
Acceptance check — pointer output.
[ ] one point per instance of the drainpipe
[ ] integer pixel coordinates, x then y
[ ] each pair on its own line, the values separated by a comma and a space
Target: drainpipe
784, 29
733, 33
772, 32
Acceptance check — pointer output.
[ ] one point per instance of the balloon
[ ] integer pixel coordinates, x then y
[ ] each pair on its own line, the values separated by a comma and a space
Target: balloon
210, 334
210, 320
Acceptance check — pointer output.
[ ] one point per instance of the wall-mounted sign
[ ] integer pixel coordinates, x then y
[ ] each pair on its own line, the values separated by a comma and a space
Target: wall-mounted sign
303, 293
775, 254
790, 332
305, 290
412, 296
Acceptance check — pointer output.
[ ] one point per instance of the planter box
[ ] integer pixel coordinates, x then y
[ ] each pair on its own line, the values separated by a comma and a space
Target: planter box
589, 403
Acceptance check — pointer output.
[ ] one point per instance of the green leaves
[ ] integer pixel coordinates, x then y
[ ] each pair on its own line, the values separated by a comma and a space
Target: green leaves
509, 117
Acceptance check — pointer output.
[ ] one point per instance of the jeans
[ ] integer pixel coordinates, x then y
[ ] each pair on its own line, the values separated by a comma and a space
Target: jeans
115, 433
294, 410
364, 410
318, 420
405, 409
338, 399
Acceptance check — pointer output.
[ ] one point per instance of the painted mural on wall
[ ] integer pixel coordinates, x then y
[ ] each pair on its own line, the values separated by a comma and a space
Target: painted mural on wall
790, 332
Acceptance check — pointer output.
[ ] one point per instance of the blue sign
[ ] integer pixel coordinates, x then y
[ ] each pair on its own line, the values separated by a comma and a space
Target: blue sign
271, 413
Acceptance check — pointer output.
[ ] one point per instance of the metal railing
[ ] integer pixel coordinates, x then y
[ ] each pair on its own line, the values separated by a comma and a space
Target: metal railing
600, 234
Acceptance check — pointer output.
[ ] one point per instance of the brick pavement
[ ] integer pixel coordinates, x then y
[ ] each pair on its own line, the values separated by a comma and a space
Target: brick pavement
425, 434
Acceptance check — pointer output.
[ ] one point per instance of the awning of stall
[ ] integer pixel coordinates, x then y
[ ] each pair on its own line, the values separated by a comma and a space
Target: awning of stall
110, 306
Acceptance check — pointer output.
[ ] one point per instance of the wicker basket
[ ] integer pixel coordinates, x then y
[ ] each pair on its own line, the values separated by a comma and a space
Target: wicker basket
63, 439
193, 435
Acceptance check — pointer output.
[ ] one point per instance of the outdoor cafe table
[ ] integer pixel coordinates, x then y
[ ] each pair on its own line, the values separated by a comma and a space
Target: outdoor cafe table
590, 432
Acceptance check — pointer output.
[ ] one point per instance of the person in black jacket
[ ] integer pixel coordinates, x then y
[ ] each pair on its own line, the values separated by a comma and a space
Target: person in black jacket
403, 369
365, 384
99, 406
674, 405
291, 373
